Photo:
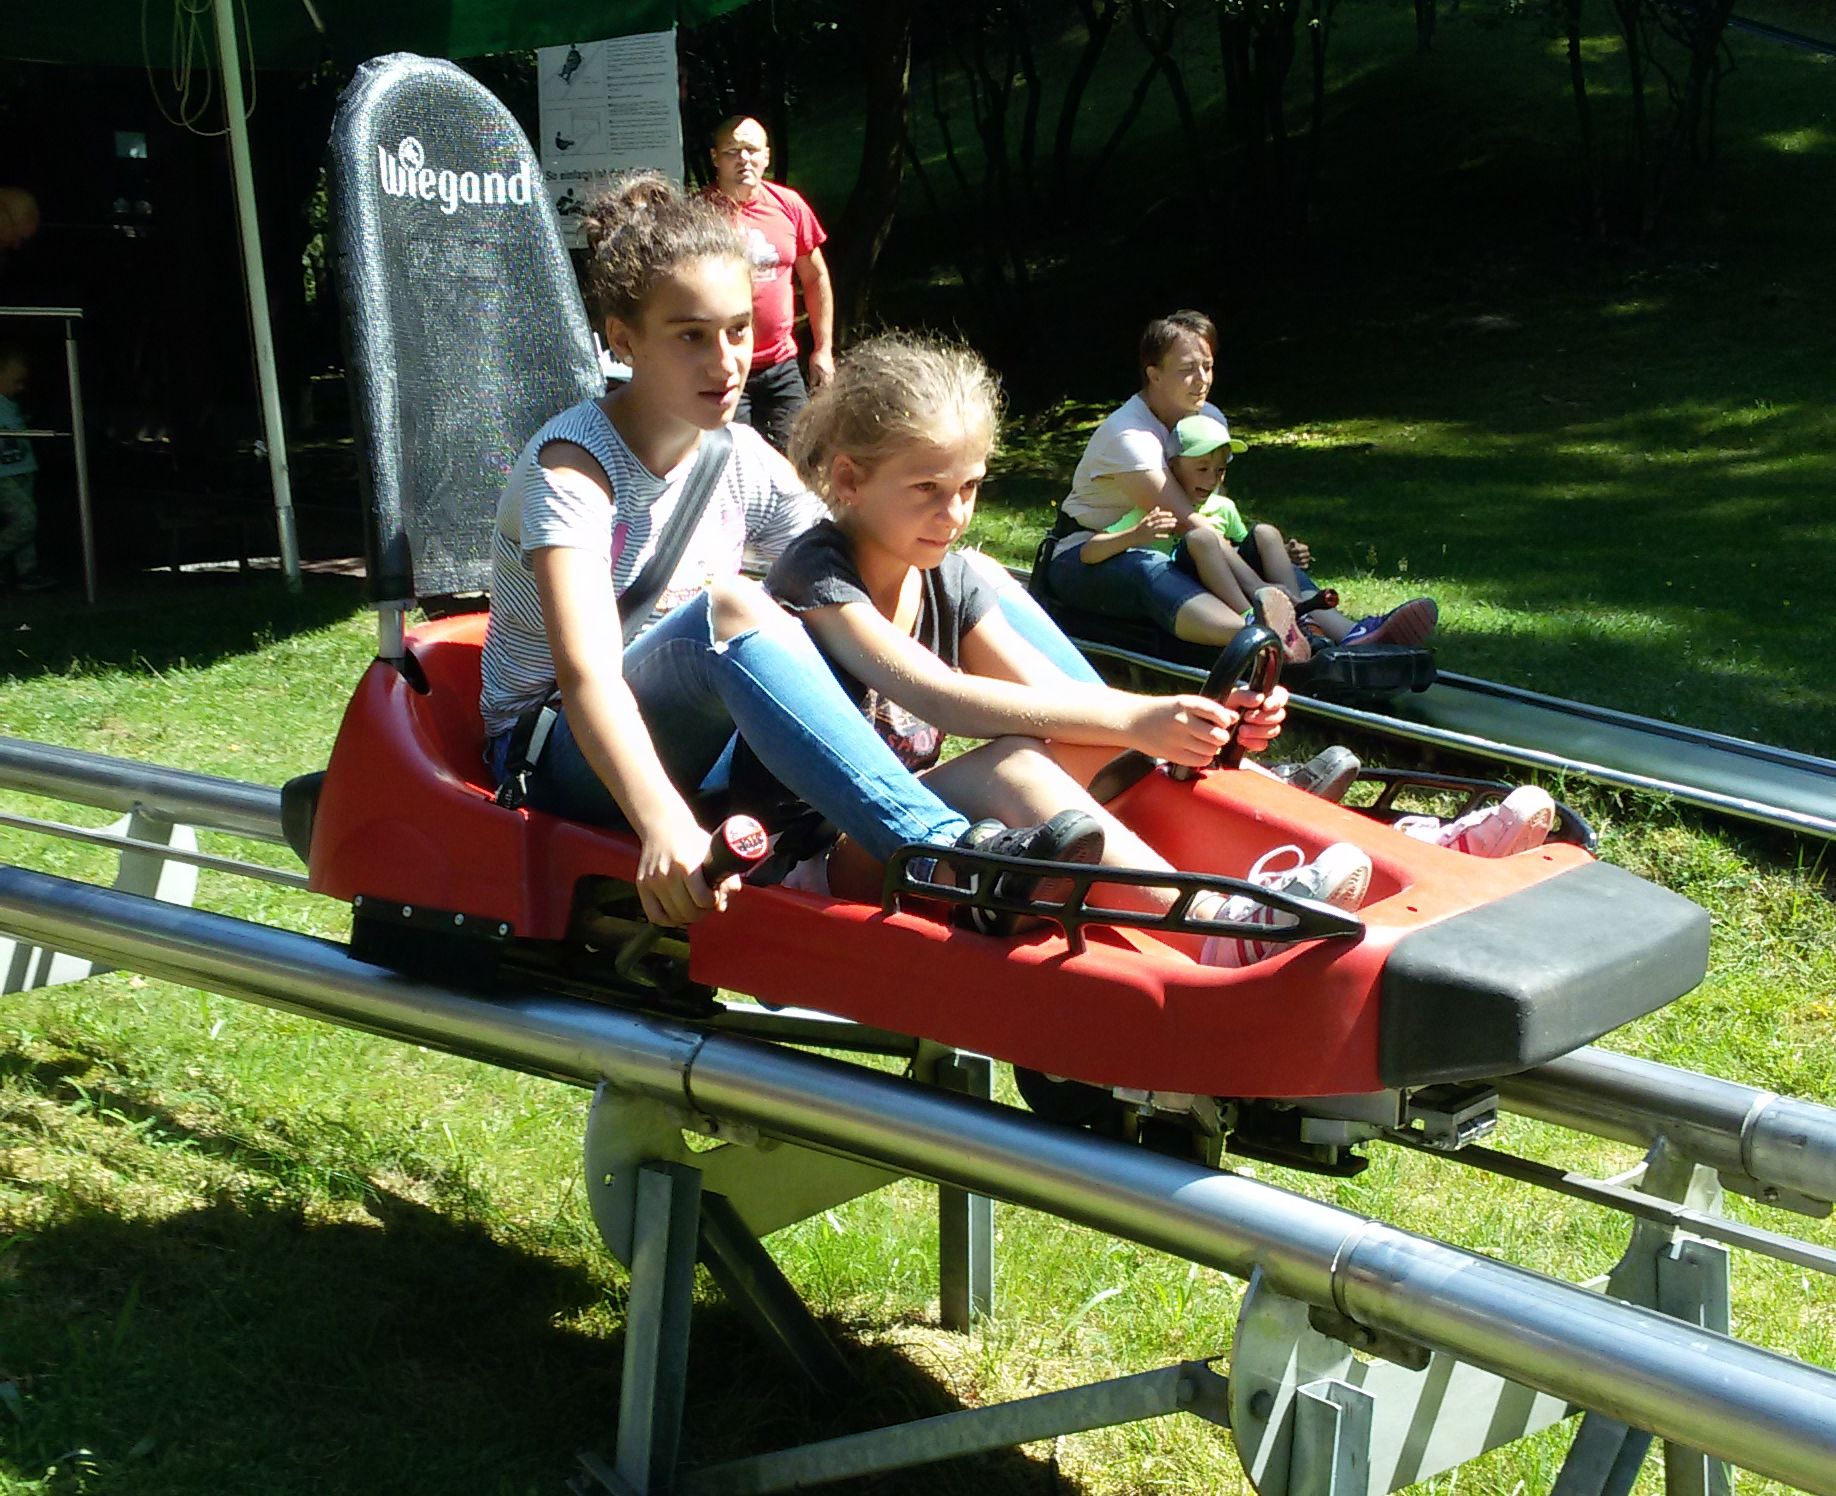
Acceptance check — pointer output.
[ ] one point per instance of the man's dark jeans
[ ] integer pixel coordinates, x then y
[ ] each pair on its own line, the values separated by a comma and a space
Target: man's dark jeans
771, 400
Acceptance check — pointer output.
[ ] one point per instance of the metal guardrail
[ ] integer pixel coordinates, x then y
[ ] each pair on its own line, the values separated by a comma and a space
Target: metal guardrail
1729, 1399
1809, 783
204, 800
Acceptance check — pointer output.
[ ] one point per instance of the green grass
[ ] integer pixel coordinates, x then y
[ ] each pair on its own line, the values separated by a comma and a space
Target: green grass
243, 1251
1607, 461
240, 1250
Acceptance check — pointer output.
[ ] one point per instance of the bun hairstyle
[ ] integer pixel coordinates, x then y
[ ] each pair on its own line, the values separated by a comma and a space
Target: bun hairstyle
894, 391
1163, 332
638, 230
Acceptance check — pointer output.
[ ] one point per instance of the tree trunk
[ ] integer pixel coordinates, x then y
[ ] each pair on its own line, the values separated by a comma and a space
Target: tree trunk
886, 39
1159, 46
1319, 31
1577, 81
1099, 21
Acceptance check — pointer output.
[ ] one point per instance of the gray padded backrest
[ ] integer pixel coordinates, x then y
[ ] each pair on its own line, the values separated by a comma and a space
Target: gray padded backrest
463, 326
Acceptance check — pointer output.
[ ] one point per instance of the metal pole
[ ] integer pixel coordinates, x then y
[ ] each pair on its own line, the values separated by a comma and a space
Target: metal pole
1734, 1401
1783, 1145
252, 810
261, 328
1779, 1143
80, 449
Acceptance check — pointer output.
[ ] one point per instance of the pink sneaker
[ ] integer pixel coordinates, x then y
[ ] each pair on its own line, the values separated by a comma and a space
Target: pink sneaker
1407, 623
1339, 876
1520, 821
1274, 610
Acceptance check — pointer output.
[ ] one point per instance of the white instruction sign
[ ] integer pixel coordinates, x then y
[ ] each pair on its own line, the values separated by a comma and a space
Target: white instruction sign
606, 106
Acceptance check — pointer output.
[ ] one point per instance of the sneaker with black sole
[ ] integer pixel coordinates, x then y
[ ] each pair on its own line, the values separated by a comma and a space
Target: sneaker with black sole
1328, 774
1070, 836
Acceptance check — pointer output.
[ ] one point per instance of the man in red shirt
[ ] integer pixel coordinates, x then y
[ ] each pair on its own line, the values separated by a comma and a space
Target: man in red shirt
782, 236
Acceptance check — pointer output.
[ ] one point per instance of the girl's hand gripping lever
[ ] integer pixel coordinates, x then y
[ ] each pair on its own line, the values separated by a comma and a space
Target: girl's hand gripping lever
739, 842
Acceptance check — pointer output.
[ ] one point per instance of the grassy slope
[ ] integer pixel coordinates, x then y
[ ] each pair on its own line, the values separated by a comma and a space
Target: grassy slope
1607, 462
241, 1251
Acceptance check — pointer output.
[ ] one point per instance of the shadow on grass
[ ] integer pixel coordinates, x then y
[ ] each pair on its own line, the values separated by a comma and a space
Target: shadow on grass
243, 1346
160, 622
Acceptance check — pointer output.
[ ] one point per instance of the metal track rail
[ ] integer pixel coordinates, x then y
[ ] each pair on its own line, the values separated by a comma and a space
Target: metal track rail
235, 805
1731, 1400
1776, 1149
1795, 792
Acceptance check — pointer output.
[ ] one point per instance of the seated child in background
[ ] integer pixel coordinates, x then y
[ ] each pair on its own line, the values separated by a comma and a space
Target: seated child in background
18, 469
1232, 557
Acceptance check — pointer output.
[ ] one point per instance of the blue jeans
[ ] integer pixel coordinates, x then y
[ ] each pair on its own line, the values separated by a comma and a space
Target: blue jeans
1137, 583
776, 689
1033, 624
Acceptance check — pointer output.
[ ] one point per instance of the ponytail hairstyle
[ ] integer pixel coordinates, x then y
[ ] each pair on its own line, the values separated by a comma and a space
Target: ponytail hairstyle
641, 227
1163, 332
890, 392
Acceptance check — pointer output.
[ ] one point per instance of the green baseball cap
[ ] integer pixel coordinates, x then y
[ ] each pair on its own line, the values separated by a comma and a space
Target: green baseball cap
1199, 435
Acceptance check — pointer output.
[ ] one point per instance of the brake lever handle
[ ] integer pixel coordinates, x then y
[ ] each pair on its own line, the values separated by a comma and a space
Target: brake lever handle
739, 842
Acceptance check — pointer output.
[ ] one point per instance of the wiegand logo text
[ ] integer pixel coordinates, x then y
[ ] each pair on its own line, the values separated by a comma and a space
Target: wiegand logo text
406, 174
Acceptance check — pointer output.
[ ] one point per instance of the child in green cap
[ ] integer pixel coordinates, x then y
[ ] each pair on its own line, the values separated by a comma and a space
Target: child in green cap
1232, 557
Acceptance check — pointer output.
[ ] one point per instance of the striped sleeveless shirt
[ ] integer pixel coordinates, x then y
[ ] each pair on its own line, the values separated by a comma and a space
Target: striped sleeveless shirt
753, 511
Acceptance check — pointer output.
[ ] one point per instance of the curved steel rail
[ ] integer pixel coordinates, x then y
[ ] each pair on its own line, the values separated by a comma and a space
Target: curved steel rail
251, 810
1732, 1400
1795, 792
1782, 1145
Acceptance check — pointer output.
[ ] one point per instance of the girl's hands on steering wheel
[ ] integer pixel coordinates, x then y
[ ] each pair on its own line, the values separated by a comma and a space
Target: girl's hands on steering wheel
669, 880
1262, 716
1185, 730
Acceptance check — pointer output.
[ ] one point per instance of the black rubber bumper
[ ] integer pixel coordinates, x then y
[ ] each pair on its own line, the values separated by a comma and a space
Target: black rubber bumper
1535, 975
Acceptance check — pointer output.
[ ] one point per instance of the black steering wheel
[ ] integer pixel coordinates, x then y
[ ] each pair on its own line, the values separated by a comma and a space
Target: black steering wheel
1253, 660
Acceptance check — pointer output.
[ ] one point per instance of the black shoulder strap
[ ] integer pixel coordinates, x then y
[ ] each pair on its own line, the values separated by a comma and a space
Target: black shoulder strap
636, 601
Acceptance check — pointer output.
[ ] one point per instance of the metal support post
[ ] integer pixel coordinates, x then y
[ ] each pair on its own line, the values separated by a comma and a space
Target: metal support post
754, 1285
254, 277
1685, 1278
24, 967
1192, 1387
664, 1241
965, 1222
79, 447
1693, 1282
1312, 1418
768, 1184
1332, 1441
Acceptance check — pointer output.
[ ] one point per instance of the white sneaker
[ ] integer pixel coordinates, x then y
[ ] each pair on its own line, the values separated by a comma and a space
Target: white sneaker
1520, 821
1339, 876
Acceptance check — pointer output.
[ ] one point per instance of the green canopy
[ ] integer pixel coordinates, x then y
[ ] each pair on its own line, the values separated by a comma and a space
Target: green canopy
300, 33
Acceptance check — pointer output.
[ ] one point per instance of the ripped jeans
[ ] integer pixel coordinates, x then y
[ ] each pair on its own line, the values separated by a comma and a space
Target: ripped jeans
773, 687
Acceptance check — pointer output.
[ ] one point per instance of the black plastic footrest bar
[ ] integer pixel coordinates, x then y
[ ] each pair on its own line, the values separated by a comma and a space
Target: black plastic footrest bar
912, 870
